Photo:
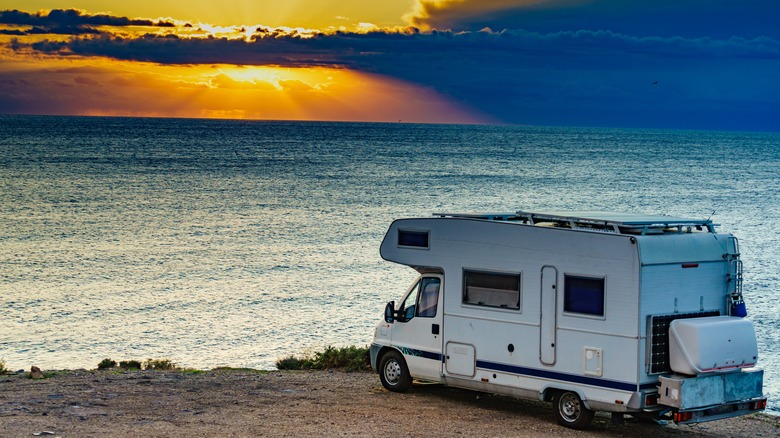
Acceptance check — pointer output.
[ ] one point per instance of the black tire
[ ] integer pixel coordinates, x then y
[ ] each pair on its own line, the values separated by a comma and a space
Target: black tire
394, 373
571, 412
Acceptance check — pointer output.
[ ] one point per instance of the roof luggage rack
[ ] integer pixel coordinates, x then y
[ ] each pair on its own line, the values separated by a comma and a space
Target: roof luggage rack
599, 221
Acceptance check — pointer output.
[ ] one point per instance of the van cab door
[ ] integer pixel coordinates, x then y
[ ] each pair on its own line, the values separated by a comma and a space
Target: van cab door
417, 332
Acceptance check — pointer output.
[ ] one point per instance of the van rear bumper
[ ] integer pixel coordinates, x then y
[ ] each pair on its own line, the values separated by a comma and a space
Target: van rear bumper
719, 412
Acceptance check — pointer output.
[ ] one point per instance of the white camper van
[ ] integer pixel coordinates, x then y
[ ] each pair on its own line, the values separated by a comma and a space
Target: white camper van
593, 311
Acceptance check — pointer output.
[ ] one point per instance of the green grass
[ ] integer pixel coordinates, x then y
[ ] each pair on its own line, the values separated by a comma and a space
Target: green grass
349, 359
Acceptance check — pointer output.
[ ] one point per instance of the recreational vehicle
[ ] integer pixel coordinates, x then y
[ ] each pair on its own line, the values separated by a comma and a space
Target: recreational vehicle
593, 311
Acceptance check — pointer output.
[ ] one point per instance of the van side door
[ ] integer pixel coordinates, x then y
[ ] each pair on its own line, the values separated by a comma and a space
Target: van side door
418, 332
548, 315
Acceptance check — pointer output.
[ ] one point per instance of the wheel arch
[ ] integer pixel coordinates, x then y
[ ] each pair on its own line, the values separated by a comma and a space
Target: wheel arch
548, 393
381, 352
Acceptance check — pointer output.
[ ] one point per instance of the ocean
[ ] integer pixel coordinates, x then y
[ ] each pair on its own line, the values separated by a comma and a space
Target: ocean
235, 243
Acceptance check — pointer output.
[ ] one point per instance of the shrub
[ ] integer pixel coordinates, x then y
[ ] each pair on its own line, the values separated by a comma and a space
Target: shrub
294, 363
3, 369
130, 364
346, 358
148, 364
106, 364
159, 364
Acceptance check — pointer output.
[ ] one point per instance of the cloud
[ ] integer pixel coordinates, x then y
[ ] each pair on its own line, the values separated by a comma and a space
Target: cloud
377, 51
84, 80
296, 85
15, 32
365, 50
69, 22
73, 17
448, 14
226, 82
287, 51
686, 18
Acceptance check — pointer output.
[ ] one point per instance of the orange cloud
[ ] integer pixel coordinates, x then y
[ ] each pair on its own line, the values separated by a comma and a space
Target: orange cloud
296, 85
226, 82
141, 89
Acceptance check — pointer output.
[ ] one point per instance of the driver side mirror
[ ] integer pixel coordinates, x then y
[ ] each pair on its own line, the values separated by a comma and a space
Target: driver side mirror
390, 312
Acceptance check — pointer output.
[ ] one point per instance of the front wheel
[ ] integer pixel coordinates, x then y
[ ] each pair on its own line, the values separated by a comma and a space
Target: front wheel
394, 373
571, 412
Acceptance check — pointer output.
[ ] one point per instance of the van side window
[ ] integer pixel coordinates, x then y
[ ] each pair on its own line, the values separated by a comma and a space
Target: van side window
423, 301
413, 238
429, 297
584, 295
491, 289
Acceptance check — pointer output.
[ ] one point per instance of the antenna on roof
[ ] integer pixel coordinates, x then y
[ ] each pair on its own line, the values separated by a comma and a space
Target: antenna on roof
711, 214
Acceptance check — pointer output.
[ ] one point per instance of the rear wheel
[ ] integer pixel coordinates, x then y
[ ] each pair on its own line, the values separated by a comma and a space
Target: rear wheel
571, 412
394, 373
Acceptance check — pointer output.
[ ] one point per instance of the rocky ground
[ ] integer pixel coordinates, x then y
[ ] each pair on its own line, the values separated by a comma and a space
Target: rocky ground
247, 403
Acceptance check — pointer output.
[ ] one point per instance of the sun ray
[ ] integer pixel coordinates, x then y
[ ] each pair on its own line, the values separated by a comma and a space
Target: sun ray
109, 87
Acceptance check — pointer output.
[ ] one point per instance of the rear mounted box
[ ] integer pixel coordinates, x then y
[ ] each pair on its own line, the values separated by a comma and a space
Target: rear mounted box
711, 344
692, 393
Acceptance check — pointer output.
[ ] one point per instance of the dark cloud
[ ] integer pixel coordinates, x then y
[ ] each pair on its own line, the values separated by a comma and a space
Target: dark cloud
378, 51
62, 30
720, 19
68, 22
171, 49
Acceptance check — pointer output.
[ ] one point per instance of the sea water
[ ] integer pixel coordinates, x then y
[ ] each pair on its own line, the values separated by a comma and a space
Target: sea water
235, 243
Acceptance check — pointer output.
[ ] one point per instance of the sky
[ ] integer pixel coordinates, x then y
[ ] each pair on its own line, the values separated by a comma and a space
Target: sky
666, 64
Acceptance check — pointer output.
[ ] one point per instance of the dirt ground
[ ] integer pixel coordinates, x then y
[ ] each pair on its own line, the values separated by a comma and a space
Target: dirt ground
246, 403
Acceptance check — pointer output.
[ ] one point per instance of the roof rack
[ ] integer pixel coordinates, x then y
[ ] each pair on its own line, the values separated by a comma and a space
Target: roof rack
598, 221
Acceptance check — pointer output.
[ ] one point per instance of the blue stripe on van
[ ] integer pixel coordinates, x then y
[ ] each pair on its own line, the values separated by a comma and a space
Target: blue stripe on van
533, 372
420, 353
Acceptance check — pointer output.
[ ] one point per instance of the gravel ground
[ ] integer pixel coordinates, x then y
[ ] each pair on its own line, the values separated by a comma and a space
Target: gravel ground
246, 403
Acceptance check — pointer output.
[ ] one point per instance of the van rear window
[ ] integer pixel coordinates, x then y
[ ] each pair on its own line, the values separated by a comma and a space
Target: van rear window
415, 239
491, 289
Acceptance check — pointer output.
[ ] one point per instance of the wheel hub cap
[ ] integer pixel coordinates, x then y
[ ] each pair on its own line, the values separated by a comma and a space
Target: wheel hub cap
570, 408
392, 371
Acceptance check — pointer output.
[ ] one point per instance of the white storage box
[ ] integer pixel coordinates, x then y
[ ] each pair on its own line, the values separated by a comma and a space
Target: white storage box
711, 344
